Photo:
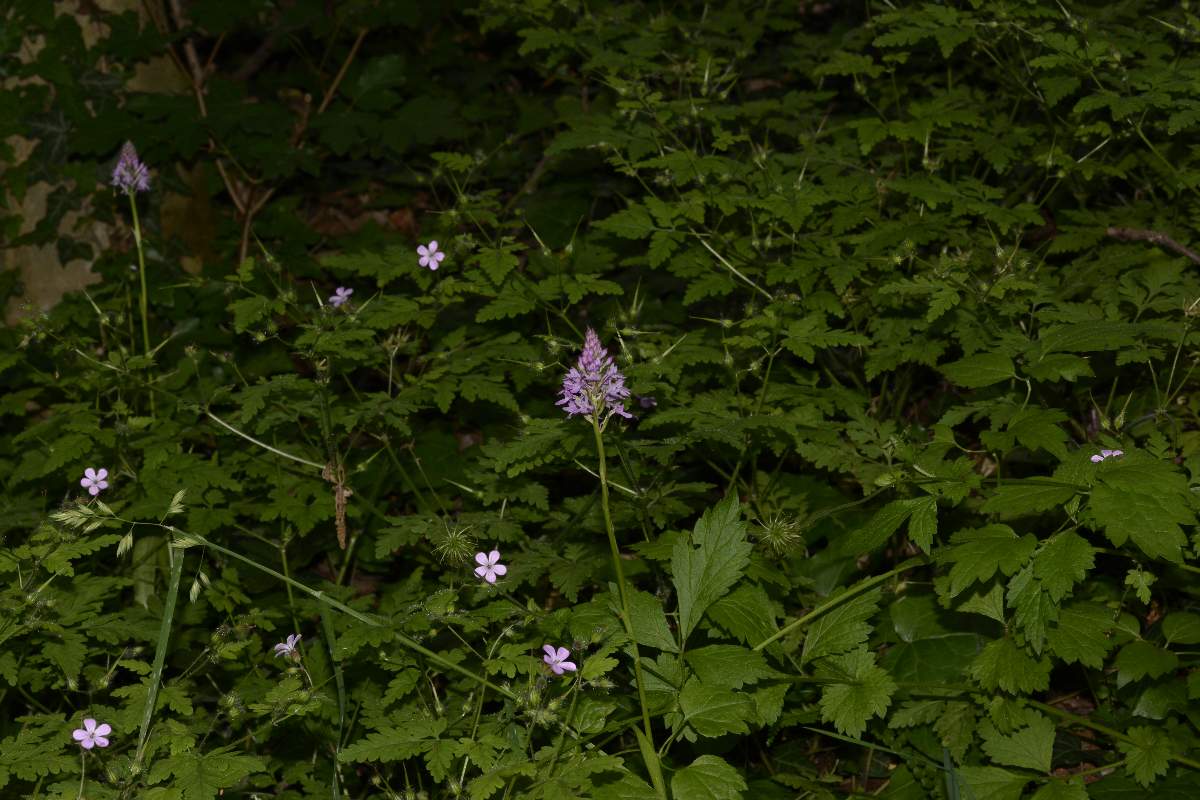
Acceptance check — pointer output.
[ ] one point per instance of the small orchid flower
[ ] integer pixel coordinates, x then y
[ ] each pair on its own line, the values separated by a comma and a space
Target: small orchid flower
92, 735
489, 566
1106, 454
130, 175
594, 386
557, 659
289, 647
94, 480
430, 256
341, 295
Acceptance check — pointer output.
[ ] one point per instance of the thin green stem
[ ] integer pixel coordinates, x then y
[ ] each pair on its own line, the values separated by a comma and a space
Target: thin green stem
143, 301
834, 602
186, 539
623, 590
160, 655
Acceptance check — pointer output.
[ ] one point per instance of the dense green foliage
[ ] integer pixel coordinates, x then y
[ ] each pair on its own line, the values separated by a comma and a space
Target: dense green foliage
883, 278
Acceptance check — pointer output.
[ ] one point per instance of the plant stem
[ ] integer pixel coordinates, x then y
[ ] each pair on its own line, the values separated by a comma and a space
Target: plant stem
143, 301
833, 602
623, 591
160, 655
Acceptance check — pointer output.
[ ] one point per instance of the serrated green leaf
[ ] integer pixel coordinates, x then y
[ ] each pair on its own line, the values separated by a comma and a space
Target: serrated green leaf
728, 665
982, 369
979, 554
1072, 789
707, 564
649, 622
1152, 522
864, 690
1030, 496
1140, 659
1030, 747
992, 783
1003, 665
1082, 634
1147, 754
1181, 627
712, 711
843, 628
708, 778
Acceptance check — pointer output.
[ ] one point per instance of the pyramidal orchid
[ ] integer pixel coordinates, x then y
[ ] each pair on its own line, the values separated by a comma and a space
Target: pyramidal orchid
130, 175
594, 386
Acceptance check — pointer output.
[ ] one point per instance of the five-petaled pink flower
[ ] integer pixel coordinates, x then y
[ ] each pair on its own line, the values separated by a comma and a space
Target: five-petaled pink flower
94, 480
430, 256
340, 295
489, 566
557, 659
92, 735
288, 648
1096, 459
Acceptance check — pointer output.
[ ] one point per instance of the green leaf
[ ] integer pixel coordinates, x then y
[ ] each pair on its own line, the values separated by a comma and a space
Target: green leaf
706, 565
1029, 496
1003, 665
1082, 634
1140, 659
708, 778
745, 613
649, 622
978, 554
923, 524
1030, 747
843, 628
1151, 521
1181, 627
1147, 755
203, 775
712, 711
728, 665
864, 691
982, 369
630, 787
395, 744
992, 783
877, 530
1072, 789
1061, 562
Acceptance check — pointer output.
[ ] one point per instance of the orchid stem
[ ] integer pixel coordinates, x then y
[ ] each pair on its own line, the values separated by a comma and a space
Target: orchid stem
626, 619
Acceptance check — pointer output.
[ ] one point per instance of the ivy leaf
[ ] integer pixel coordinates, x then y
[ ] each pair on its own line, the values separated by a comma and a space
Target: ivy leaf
1147, 754
1030, 747
708, 778
865, 690
707, 565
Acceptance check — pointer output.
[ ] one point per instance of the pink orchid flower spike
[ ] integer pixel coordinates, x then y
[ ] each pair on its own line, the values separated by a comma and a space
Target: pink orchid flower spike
557, 659
92, 735
489, 566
